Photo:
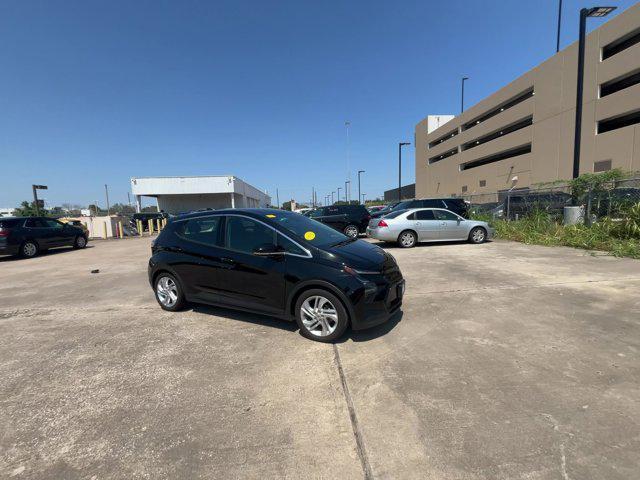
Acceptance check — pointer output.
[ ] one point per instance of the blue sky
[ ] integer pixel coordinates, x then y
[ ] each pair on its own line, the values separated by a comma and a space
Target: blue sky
97, 92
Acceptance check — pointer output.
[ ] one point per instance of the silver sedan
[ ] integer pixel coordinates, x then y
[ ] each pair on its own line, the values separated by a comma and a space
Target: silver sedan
408, 227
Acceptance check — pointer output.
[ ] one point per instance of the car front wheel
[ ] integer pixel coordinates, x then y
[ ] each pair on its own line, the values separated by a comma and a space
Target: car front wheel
321, 316
80, 242
169, 293
477, 235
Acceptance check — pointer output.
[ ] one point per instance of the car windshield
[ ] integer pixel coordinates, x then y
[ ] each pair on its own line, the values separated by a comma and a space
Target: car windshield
312, 231
401, 205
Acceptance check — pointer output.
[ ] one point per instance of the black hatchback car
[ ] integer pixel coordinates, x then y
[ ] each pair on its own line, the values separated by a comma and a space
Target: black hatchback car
276, 263
27, 236
348, 219
453, 204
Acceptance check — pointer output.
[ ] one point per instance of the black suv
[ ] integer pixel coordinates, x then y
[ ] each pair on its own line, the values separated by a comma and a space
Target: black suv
453, 204
26, 236
348, 219
277, 263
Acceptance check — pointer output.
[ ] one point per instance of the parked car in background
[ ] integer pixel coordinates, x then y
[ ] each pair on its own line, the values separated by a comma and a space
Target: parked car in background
454, 204
28, 236
375, 208
408, 227
144, 217
277, 263
351, 220
521, 204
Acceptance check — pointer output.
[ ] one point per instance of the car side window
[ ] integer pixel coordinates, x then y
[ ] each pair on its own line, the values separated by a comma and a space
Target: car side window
425, 215
53, 224
35, 223
411, 216
245, 235
201, 230
445, 215
289, 246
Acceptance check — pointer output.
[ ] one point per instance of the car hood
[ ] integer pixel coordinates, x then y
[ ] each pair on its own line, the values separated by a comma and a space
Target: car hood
360, 255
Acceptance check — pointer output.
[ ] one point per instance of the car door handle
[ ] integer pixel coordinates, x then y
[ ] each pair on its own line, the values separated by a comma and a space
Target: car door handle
417, 224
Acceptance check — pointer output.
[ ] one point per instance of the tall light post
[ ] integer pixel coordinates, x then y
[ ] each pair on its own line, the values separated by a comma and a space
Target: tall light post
347, 125
584, 13
347, 187
559, 24
35, 189
462, 96
359, 172
363, 195
339, 188
400, 145
332, 202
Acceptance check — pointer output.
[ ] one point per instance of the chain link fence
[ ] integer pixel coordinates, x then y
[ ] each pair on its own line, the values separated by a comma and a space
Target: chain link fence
610, 200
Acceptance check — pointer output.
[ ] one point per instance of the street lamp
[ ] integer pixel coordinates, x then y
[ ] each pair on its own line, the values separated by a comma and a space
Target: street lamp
35, 189
400, 145
332, 193
339, 188
363, 195
584, 13
462, 96
359, 172
346, 191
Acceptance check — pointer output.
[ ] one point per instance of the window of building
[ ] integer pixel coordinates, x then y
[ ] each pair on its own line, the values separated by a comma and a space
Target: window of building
525, 122
437, 158
620, 83
513, 152
483, 183
443, 138
464, 189
602, 166
621, 44
618, 122
245, 235
521, 97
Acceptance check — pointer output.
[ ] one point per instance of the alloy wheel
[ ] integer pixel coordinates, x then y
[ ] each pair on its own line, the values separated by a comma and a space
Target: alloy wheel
351, 231
167, 292
29, 249
478, 235
81, 242
407, 239
319, 316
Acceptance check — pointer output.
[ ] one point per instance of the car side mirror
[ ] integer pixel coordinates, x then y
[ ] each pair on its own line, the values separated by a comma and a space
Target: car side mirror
459, 220
269, 250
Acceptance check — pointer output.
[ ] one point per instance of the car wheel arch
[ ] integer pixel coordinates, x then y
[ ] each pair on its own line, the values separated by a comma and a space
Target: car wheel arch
317, 285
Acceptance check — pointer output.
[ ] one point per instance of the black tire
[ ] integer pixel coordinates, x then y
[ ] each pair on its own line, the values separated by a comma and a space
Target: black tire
342, 317
80, 242
172, 305
352, 230
29, 249
477, 235
407, 239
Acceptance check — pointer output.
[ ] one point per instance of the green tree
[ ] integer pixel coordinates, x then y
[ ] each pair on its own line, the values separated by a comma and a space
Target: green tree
28, 209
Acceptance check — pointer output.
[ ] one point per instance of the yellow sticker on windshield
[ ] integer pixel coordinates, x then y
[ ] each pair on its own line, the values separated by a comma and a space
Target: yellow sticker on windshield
271, 215
309, 235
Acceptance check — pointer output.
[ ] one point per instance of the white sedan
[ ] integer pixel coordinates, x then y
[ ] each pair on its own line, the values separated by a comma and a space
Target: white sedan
408, 227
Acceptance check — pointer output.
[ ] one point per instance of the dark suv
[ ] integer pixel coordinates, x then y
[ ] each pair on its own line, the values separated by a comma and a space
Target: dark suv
277, 263
348, 219
453, 204
26, 236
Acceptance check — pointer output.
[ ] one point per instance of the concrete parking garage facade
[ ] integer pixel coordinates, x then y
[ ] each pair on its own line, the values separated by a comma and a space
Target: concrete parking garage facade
525, 131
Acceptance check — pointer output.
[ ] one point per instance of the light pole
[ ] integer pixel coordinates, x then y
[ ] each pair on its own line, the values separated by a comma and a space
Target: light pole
559, 23
462, 96
106, 192
339, 188
359, 172
35, 189
347, 125
584, 13
400, 145
332, 193
346, 190
363, 195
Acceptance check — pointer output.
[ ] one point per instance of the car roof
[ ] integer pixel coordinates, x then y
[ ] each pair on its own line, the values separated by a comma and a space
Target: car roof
252, 212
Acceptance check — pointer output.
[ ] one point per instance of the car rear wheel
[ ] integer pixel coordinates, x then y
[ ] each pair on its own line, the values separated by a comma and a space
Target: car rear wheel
351, 231
407, 239
477, 235
321, 316
80, 242
29, 249
169, 293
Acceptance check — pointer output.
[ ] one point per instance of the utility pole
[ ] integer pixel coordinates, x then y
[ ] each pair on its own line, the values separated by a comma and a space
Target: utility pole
277, 199
359, 172
35, 189
559, 23
400, 145
129, 198
339, 188
347, 125
106, 192
346, 191
332, 202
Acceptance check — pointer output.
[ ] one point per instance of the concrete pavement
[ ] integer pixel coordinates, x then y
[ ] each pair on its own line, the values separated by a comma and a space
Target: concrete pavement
509, 361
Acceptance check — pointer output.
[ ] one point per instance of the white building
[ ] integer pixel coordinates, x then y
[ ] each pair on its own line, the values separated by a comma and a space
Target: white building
6, 212
182, 194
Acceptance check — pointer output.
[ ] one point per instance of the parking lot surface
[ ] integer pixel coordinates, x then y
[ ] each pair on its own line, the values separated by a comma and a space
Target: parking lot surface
509, 361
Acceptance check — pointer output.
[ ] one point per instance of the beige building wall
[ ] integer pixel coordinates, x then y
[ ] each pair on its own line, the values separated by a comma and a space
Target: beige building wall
551, 134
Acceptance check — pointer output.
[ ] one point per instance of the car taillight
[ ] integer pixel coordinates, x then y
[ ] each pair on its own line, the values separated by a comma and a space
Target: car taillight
4, 233
382, 223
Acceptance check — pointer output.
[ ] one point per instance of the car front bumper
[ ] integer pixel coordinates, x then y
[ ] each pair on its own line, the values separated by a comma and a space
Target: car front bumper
378, 305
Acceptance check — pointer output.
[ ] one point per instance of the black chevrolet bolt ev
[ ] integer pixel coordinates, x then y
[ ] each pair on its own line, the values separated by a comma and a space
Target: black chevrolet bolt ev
277, 263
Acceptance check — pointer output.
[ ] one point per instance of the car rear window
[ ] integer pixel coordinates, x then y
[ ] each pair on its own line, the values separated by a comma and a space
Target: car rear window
9, 223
